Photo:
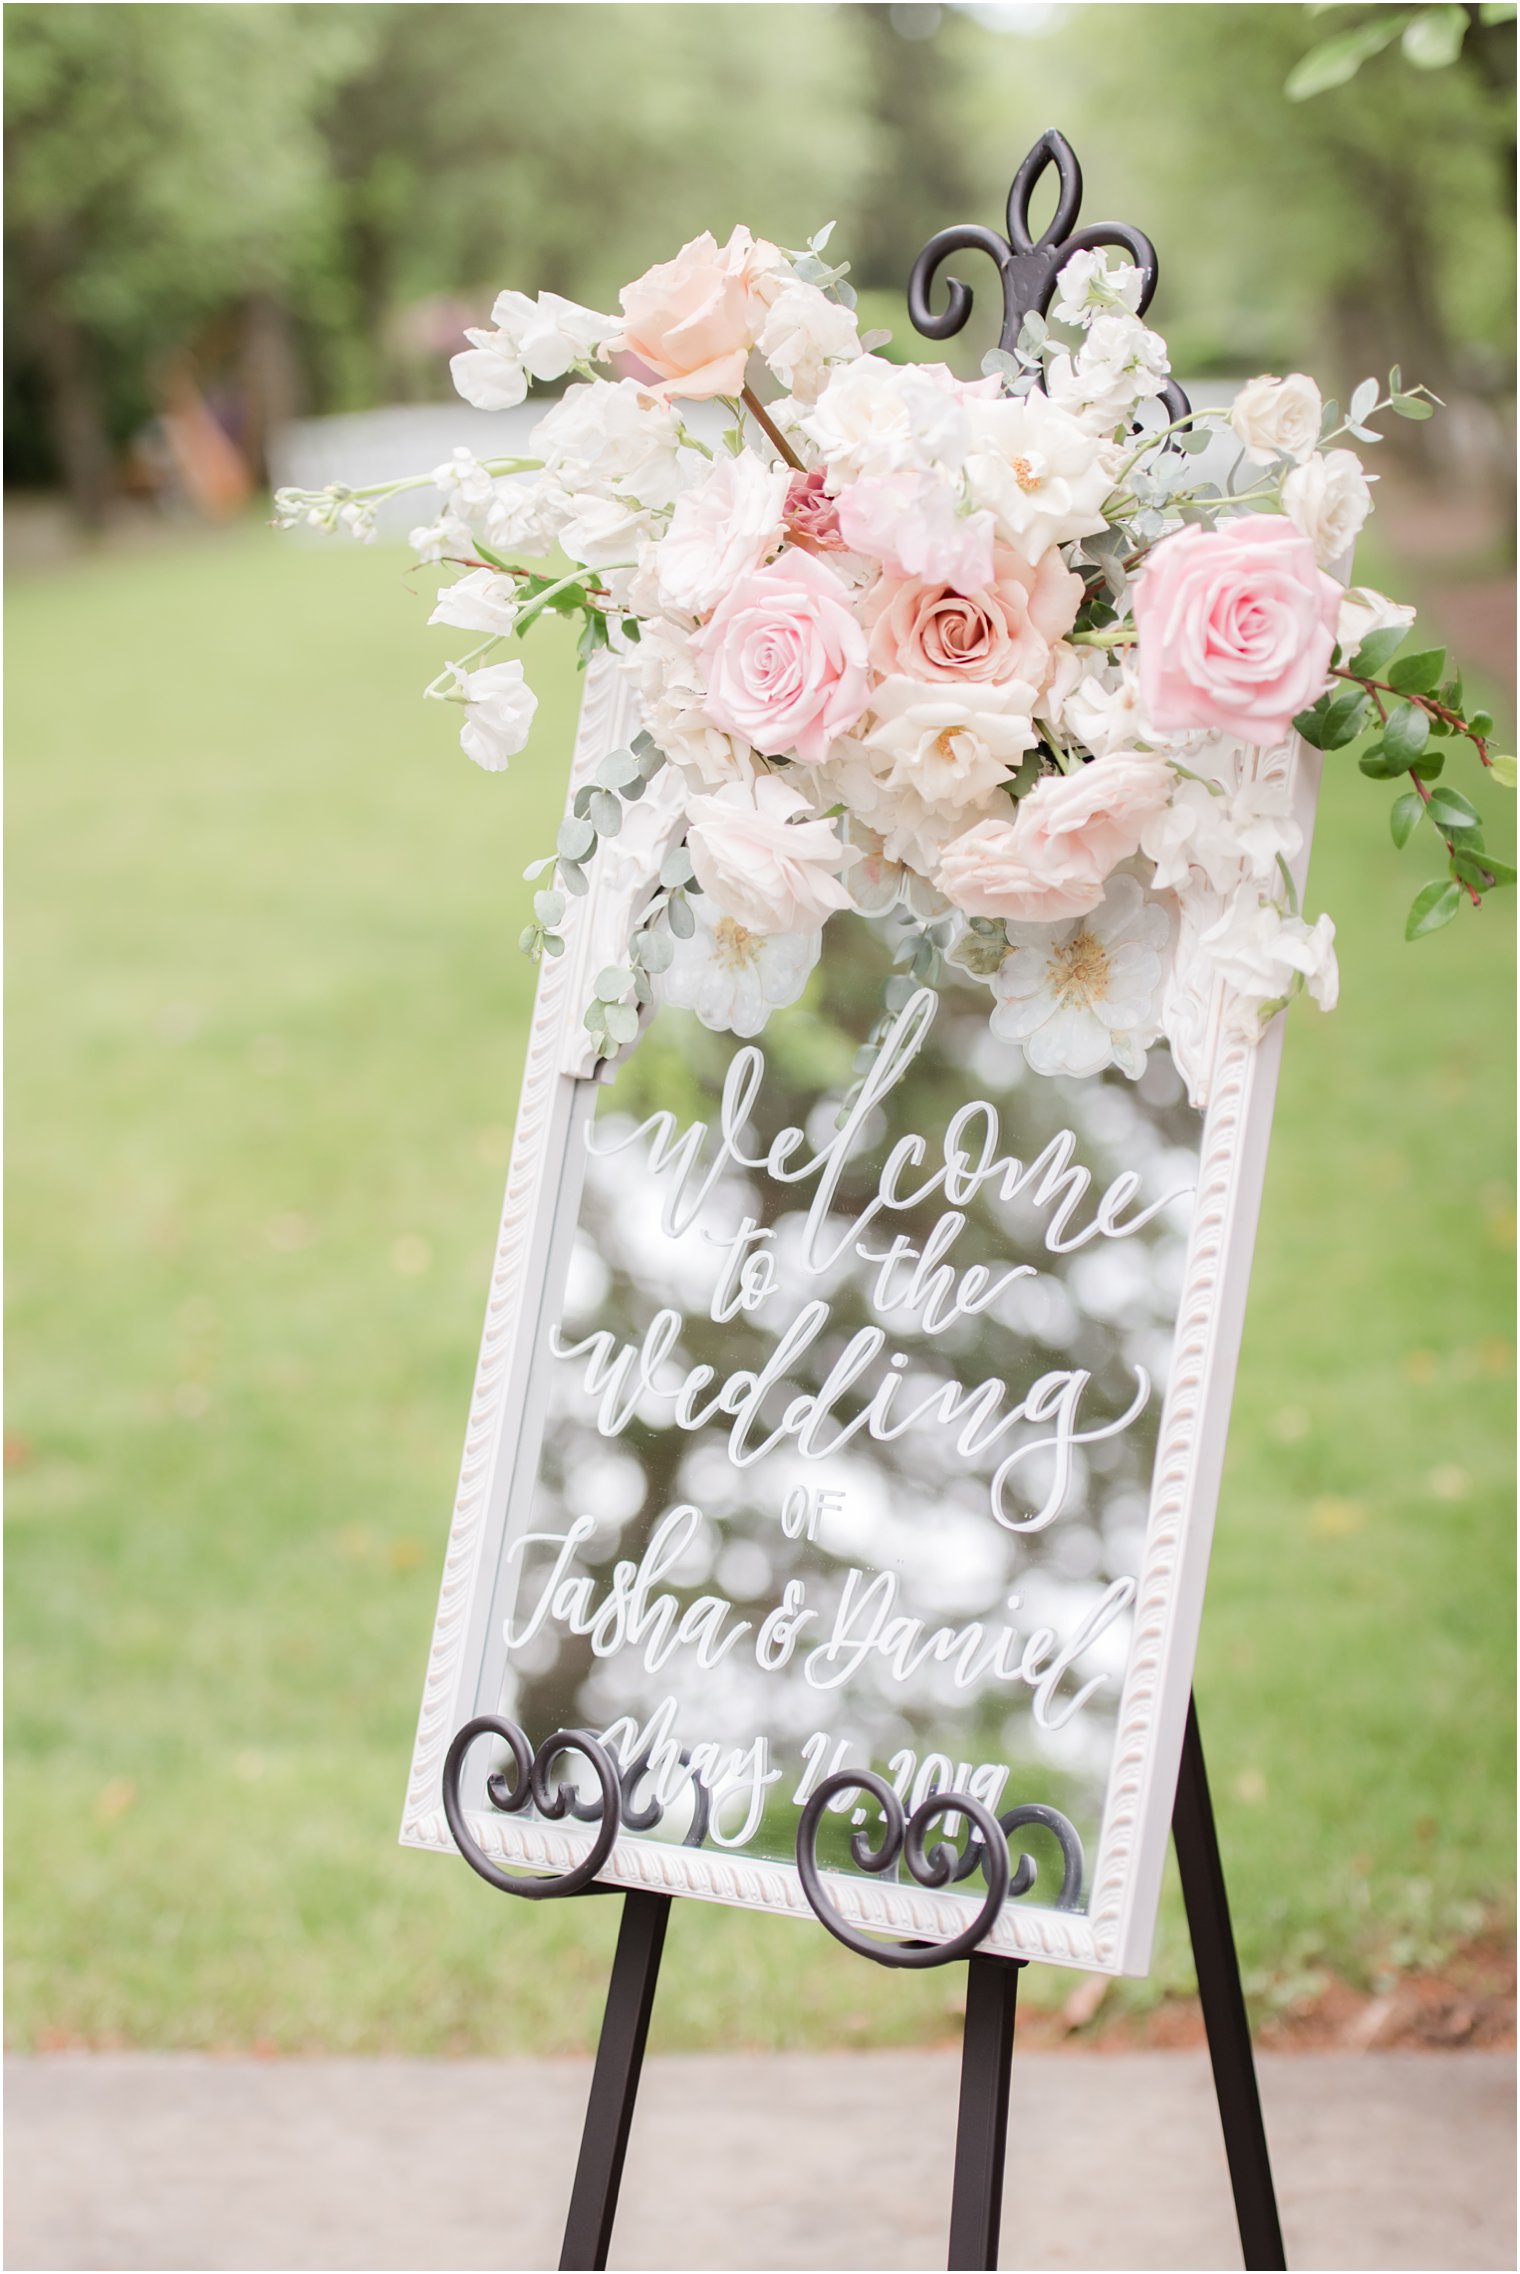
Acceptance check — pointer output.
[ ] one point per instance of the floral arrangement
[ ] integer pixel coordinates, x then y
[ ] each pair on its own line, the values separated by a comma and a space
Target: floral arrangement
989, 653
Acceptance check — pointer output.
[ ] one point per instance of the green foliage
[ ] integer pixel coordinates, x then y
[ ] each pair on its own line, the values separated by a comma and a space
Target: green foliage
1429, 38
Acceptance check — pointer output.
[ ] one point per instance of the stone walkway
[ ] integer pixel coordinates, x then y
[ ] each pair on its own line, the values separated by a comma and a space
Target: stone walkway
742, 2161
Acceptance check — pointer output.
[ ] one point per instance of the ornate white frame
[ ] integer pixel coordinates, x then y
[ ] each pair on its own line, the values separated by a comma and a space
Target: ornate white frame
1235, 1080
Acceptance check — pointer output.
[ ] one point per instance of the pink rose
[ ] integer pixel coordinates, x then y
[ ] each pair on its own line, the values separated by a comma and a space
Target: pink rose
1236, 626
1072, 831
785, 659
812, 515
1005, 630
693, 320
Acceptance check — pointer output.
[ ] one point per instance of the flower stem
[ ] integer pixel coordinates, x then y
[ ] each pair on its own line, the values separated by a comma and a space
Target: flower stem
1107, 635
769, 428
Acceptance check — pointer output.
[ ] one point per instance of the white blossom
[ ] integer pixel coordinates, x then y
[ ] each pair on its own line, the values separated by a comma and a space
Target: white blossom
1328, 498
1263, 954
1038, 471
1364, 612
874, 417
436, 539
499, 714
603, 532
1276, 418
612, 435
1084, 994
1102, 711
733, 977
1221, 838
1087, 286
537, 339
1119, 365
671, 688
805, 333
718, 532
483, 601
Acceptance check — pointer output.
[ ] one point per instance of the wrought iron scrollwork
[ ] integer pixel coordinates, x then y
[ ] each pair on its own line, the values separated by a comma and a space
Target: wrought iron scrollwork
1028, 266
531, 1783
931, 1864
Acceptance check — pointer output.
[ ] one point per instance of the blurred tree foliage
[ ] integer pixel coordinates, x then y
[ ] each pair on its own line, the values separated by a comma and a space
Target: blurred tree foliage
310, 200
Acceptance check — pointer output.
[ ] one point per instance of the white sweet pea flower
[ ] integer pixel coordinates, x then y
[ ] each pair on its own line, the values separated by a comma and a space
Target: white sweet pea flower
1220, 839
1037, 471
1363, 612
537, 339
720, 531
434, 540
805, 333
465, 483
1102, 711
874, 417
1275, 418
483, 601
672, 690
1085, 994
1120, 364
603, 532
1263, 954
1328, 498
524, 515
1087, 286
612, 435
499, 715
733, 977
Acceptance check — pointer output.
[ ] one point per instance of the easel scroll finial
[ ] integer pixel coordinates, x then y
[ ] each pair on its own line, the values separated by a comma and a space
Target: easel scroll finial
1029, 266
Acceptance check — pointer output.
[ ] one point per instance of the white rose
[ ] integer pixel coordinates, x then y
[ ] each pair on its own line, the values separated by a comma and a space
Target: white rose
763, 859
1276, 418
612, 434
1119, 364
499, 715
1087, 285
484, 601
1328, 498
805, 332
879, 418
720, 532
1037, 471
1261, 953
950, 746
1363, 612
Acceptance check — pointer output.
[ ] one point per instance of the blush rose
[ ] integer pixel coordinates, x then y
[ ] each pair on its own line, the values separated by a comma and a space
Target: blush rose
692, 321
1072, 831
1006, 630
1236, 628
786, 659
763, 858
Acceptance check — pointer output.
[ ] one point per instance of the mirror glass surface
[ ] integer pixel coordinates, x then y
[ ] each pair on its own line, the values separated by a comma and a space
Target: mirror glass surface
844, 1454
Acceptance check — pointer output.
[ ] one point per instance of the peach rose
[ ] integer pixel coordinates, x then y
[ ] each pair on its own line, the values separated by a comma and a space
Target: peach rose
785, 659
1004, 631
1236, 626
1072, 831
693, 320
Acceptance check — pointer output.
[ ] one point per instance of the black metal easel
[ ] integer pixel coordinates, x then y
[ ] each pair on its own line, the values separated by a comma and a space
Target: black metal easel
1028, 269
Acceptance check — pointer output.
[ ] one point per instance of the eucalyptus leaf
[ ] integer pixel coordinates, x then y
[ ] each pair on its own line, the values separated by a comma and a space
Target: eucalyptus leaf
553, 943
676, 867
622, 1022
1413, 406
1362, 401
573, 877
606, 813
548, 907
656, 950
680, 918
612, 983
618, 767
1433, 906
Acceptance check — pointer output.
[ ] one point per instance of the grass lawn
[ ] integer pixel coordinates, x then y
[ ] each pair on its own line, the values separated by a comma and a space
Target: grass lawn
266, 1016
